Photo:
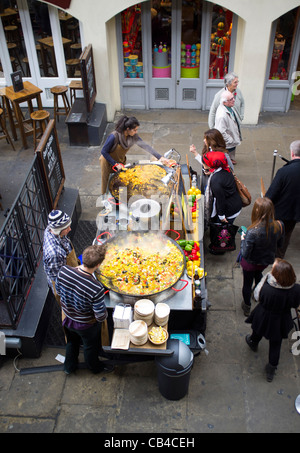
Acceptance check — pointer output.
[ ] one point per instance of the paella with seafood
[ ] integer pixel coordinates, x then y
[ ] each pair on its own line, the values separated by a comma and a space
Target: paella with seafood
141, 269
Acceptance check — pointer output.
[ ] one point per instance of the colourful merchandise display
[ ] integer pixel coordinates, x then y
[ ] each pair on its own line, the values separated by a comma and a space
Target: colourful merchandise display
190, 60
219, 51
161, 65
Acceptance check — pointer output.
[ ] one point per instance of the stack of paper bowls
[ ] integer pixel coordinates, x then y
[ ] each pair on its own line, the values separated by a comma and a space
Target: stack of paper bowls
138, 332
144, 310
161, 316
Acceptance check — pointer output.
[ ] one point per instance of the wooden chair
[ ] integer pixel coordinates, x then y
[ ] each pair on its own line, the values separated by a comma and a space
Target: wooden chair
60, 91
4, 131
42, 117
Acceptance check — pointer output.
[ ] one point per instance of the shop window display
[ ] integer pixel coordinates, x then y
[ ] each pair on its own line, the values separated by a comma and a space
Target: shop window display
283, 45
220, 42
132, 42
191, 39
161, 21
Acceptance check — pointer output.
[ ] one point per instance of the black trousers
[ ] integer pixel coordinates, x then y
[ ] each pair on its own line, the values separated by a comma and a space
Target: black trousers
91, 340
274, 348
289, 226
248, 278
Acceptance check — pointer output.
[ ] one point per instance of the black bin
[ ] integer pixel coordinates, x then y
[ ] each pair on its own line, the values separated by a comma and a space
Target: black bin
174, 372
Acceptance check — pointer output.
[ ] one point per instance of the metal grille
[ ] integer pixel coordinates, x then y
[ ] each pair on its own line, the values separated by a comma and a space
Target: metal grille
189, 94
21, 241
161, 94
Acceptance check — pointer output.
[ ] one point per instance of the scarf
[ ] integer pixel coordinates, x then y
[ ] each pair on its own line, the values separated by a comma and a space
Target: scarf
125, 142
269, 278
215, 160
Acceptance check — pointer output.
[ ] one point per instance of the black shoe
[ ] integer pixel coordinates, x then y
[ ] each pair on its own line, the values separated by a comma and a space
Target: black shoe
104, 368
246, 308
250, 343
270, 370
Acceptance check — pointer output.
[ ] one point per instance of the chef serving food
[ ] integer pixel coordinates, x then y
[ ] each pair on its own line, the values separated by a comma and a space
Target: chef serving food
118, 143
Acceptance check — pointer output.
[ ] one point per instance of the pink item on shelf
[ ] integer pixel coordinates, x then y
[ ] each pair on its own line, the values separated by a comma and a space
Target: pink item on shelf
161, 72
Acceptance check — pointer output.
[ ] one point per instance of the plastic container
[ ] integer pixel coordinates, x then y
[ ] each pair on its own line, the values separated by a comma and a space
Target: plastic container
174, 371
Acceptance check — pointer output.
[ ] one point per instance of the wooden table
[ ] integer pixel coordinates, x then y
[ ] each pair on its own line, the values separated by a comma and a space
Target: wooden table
7, 14
48, 44
28, 94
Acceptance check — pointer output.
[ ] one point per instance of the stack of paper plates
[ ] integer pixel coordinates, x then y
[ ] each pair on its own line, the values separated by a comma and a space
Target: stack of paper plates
161, 316
138, 332
144, 310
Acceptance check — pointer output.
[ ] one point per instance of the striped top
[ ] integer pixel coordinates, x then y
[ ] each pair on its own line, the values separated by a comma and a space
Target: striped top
81, 295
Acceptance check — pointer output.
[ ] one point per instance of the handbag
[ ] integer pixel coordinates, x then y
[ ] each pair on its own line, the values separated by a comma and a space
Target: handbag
222, 237
243, 191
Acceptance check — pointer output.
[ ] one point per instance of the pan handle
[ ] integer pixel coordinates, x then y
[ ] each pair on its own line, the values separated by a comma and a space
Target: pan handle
115, 169
105, 232
186, 283
112, 201
174, 231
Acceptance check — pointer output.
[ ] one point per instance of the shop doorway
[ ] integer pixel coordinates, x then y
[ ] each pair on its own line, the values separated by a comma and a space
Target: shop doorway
175, 54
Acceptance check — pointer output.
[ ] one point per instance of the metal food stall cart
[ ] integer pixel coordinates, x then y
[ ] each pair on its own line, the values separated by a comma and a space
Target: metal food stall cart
157, 203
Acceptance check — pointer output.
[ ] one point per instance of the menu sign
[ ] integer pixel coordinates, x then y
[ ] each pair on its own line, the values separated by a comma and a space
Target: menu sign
49, 154
88, 77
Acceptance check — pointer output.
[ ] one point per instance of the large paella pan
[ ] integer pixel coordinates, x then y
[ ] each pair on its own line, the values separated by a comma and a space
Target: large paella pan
142, 264
140, 179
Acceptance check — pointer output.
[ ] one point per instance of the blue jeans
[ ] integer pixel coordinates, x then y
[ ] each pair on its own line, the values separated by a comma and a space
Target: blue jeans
90, 338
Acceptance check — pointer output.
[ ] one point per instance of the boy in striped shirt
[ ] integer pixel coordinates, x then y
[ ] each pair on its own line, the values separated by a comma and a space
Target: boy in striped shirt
82, 302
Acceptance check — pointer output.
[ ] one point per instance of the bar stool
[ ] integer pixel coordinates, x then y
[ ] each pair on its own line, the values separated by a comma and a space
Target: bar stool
60, 91
42, 117
27, 68
75, 49
12, 48
72, 64
4, 131
74, 85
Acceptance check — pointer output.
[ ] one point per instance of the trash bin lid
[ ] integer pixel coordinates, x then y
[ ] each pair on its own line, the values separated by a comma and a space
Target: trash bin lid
181, 358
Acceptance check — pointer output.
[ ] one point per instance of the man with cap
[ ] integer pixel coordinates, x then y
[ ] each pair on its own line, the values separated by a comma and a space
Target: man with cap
57, 247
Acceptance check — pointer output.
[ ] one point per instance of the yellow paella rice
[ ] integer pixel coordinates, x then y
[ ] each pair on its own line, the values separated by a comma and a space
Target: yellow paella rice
134, 270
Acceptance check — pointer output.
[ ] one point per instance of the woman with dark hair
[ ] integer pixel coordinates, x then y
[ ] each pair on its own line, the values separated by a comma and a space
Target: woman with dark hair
213, 141
277, 293
118, 143
258, 246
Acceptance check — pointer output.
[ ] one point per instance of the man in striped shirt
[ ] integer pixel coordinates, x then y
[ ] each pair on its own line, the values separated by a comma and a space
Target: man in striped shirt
82, 302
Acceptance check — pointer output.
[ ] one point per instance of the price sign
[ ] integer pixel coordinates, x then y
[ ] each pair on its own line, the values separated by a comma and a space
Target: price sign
88, 77
50, 159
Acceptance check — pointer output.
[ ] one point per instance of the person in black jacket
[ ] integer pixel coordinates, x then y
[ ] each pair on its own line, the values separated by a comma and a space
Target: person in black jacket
222, 200
258, 246
277, 293
285, 194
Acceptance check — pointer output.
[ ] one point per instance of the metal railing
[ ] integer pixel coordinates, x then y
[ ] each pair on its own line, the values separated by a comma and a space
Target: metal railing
21, 242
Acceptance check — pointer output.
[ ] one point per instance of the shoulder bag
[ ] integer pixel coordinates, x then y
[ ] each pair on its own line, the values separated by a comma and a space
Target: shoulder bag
243, 191
222, 237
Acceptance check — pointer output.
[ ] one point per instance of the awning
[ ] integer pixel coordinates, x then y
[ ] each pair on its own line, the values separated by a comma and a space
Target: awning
61, 3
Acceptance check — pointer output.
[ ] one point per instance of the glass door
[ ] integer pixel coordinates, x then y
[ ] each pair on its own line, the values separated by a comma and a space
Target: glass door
163, 58
188, 46
176, 48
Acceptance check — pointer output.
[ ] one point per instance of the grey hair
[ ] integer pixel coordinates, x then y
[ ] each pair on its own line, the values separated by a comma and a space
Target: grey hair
223, 97
229, 78
295, 148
